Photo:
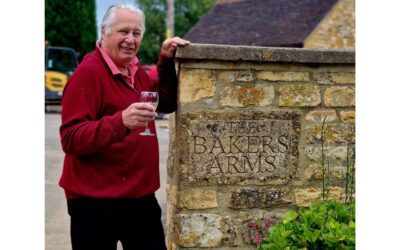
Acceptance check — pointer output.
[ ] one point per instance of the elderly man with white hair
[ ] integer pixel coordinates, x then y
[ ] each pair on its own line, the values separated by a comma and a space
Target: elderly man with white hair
111, 172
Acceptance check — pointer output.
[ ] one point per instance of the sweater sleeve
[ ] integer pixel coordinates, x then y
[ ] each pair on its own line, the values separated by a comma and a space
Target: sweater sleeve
167, 85
83, 131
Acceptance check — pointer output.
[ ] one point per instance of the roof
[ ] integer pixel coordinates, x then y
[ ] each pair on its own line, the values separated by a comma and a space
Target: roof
274, 23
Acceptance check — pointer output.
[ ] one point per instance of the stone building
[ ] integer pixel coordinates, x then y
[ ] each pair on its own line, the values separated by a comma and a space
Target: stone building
278, 23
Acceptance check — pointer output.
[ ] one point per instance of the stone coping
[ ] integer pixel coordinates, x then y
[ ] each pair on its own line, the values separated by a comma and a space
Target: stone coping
265, 54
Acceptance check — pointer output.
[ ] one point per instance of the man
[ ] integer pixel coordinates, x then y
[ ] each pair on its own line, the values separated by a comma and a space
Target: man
110, 172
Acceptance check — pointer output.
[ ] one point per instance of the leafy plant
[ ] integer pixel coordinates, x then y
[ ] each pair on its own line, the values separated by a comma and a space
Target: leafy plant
326, 225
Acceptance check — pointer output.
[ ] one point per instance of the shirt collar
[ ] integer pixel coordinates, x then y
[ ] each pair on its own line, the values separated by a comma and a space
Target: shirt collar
114, 69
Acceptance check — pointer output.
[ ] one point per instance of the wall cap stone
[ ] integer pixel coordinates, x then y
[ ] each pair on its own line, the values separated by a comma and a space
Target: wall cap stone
265, 54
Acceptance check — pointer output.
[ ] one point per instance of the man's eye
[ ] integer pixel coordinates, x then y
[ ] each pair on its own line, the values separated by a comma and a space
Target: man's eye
124, 32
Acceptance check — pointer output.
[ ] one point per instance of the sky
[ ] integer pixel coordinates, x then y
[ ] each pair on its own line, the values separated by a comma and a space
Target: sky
101, 8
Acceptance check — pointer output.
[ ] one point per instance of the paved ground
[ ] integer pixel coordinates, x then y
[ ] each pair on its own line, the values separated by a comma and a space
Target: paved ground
56, 218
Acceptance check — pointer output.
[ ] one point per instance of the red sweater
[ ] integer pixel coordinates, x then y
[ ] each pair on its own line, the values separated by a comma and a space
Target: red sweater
104, 159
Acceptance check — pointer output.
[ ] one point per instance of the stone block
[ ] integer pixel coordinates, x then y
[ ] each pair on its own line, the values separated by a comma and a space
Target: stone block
314, 171
170, 244
334, 77
288, 76
227, 76
245, 76
299, 95
232, 147
333, 133
331, 152
172, 194
348, 116
198, 199
236, 76
309, 195
319, 115
196, 84
205, 230
170, 216
339, 97
241, 96
259, 198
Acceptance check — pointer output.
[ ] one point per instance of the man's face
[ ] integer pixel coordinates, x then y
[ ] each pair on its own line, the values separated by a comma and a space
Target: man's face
123, 40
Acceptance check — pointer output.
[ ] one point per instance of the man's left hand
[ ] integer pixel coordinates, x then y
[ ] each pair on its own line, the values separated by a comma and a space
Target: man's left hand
169, 46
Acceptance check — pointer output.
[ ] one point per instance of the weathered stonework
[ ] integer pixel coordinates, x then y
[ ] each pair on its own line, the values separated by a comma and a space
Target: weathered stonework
236, 76
246, 141
334, 78
314, 172
299, 95
333, 133
240, 96
339, 97
328, 115
228, 76
338, 153
244, 145
198, 199
348, 116
195, 85
245, 76
205, 230
283, 76
259, 198
307, 196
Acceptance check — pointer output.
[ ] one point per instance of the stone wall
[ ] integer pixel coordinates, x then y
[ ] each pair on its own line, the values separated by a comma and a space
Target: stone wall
246, 143
337, 29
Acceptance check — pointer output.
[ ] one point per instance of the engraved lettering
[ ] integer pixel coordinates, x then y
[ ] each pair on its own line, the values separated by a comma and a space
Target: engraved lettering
219, 146
247, 162
232, 162
282, 140
201, 144
217, 166
252, 141
241, 146
234, 144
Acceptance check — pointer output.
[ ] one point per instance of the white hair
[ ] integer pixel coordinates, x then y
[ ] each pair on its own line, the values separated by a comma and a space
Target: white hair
108, 18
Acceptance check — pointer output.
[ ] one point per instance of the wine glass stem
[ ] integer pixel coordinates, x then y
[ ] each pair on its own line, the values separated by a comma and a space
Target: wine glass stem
147, 127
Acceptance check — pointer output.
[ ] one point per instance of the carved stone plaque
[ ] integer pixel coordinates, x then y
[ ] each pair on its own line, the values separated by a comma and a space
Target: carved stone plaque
232, 147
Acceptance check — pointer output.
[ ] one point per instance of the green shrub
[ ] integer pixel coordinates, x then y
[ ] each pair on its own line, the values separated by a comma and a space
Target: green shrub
326, 225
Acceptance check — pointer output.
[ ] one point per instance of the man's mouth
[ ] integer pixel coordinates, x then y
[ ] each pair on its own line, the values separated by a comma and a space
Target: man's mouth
128, 49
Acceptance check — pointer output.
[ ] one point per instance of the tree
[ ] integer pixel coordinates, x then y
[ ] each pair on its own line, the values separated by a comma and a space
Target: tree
71, 23
187, 14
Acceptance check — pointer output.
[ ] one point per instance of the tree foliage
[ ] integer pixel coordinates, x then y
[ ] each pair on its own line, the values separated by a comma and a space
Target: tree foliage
187, 14
71, 23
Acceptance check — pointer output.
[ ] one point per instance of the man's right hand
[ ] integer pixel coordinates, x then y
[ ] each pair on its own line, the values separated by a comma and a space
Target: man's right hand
137, 114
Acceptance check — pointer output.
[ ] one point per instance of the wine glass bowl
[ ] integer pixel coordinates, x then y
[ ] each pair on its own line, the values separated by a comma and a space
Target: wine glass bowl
149, 97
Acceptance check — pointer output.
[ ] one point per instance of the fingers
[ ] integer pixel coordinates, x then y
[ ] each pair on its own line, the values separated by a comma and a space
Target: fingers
138, 114
175, 41
170, 45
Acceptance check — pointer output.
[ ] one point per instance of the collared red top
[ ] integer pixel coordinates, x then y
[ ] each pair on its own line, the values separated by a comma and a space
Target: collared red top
104, 159
132, 67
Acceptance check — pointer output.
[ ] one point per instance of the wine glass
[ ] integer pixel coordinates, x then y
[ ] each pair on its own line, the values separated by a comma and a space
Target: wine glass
150, 98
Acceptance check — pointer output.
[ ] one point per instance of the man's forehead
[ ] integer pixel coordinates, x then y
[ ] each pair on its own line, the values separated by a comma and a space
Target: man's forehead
127, 16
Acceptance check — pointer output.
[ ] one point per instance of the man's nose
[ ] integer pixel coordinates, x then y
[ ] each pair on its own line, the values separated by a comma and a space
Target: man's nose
130, 38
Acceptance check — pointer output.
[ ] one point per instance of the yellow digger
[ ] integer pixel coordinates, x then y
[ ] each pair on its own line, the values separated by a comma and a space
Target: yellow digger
60, 63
